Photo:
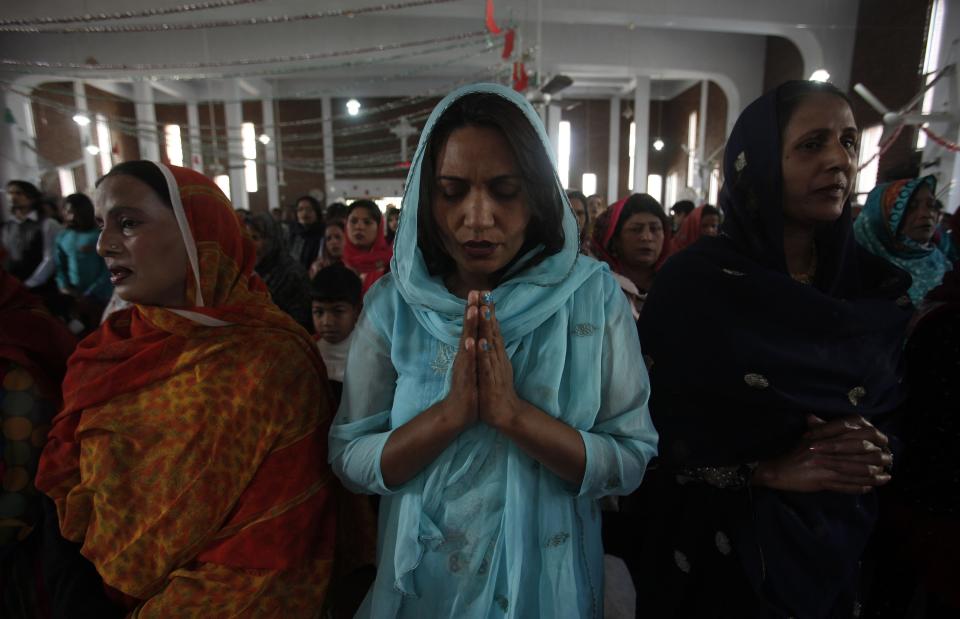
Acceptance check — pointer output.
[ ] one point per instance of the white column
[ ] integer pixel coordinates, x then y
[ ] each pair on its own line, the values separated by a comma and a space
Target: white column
86, 137
193, 136
147, 138
554, 114
613, 154
641, 116
18, 140
702, 183
233, 114
270, 154
329, 171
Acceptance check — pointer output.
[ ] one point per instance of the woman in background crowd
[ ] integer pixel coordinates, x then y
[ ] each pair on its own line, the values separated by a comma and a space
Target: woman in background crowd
184, 512
703, 221
680, 211
393, 220
578, 202
633, 237
287, 281
30, 238
898, 223
334, 238
81, 273
307, 235
365, 250
768, 455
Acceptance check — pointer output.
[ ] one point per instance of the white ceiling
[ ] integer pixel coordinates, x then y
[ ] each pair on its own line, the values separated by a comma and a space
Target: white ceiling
602, 44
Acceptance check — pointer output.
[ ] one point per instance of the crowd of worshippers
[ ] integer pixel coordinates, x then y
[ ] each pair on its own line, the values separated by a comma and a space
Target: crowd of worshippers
561, 408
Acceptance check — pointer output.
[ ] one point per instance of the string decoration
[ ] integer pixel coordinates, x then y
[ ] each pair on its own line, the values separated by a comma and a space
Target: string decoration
224, 23
94, 17
942, 141
77, 66
508, 41
491, 23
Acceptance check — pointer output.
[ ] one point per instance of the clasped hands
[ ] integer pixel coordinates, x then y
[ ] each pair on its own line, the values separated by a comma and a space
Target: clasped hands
847, 455
482, 382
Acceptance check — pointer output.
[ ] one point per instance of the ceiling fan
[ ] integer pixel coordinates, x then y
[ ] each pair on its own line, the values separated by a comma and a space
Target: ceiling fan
895, 121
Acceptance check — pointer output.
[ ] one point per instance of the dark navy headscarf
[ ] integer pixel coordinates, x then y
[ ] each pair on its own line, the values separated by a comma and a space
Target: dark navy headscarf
740, 353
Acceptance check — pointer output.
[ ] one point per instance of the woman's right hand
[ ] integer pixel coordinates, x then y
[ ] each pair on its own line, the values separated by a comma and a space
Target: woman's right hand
845, 455
460, 405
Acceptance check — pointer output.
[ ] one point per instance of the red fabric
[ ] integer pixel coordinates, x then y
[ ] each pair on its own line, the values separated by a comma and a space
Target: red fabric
370, 264
520, 78
606, 225
492, 27
689, 231
29, 335
508, 42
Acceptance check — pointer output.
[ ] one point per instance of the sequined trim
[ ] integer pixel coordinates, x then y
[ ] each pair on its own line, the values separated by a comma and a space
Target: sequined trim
441, 363
856, 394
741, 162
904, 301
722, 542
558, 539
733, 273
681, 561
734, 476
584, 329
757, 381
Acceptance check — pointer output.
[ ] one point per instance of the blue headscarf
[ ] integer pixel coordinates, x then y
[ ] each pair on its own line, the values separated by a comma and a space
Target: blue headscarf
877, 230
528, 296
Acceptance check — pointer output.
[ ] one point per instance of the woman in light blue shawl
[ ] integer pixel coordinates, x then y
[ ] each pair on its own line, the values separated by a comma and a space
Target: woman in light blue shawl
897, 224
495, 386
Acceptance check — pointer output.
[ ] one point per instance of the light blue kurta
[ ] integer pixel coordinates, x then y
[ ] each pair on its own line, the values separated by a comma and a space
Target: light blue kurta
485, 530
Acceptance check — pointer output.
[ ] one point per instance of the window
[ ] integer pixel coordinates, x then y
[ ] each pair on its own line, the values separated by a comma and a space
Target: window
223, 182
563, 154
673, 181
172, 144
104, 143
630, 151
714, 192
588, 184
869, 147
691, 148
655, 186
67, 184
931, 59
248, 135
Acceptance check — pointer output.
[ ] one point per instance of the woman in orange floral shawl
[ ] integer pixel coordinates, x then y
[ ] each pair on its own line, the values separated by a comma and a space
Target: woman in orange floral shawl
189, 459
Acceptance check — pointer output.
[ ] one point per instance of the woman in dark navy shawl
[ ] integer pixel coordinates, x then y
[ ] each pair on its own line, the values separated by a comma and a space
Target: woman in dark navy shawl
769, 455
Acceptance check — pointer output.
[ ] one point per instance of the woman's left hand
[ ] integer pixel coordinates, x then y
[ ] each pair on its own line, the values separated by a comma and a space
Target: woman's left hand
498, 401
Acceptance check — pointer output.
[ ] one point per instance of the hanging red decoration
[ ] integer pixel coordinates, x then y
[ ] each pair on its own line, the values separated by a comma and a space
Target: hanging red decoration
508, 41
520, 79
492, 26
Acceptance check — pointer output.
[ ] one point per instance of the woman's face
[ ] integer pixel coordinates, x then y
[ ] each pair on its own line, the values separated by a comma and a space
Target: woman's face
393, 221
710, 225
596, 206
920, 220
819, 159
478, 202
580, 210
259, 244
333, 241
141, 243
306, 214
362, 227
640, 240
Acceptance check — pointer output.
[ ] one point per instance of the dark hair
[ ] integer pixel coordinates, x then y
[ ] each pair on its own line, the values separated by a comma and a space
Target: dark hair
709, 209
791, 94
82, 211
146, 172
27, 188
684, 207
370, 206
575, 194
639, 203
337, 223
337, 210
336, 283
314, 204
536, 170
392, 211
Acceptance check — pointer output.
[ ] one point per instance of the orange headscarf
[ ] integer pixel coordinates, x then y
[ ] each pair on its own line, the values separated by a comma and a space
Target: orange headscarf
190, 456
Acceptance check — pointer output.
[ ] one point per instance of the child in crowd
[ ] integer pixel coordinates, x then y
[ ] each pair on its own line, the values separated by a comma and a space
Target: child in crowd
336, 297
